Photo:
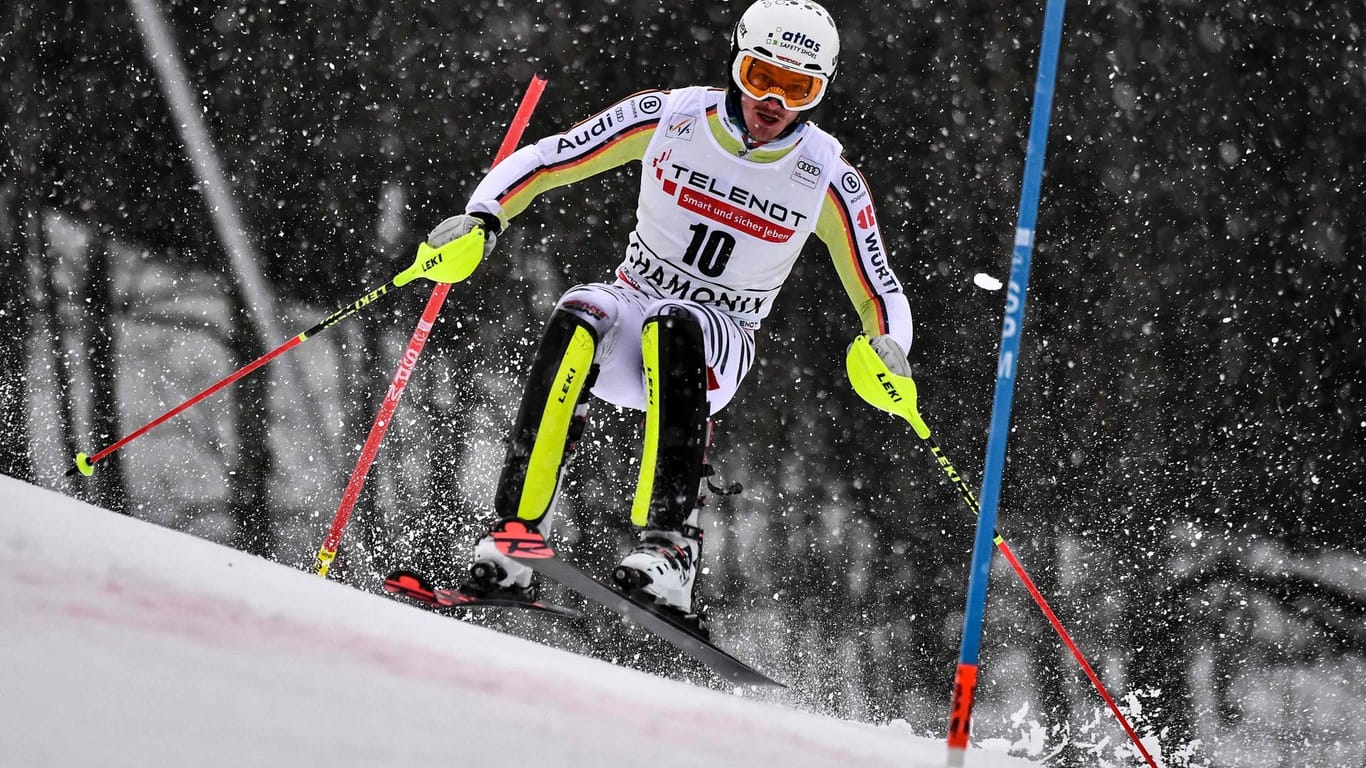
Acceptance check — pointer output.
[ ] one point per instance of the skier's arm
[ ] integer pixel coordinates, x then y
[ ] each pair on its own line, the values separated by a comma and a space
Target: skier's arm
613, 137
848, 226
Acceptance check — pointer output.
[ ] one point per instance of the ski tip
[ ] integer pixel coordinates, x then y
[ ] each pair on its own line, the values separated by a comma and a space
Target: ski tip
756, 680
402, 581
411, 585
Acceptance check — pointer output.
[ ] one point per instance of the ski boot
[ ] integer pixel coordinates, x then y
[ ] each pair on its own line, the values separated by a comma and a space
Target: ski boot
493, 574
661, 570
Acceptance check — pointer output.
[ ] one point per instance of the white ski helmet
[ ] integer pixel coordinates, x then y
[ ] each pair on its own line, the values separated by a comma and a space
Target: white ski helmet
785, 48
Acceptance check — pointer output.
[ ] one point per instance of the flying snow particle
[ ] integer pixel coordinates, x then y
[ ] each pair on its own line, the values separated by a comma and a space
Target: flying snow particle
986, 282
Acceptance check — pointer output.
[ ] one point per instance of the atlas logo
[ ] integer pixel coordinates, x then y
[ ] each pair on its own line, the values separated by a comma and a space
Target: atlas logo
794, 40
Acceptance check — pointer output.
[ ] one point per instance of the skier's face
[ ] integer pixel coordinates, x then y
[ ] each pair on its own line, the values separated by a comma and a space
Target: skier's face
766, 119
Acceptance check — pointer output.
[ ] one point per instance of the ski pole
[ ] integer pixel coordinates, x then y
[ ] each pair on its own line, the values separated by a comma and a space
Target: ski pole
328, 551
449, 265
897, 395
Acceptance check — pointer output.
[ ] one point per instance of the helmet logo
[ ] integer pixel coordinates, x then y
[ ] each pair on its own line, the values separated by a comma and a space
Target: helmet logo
793, 40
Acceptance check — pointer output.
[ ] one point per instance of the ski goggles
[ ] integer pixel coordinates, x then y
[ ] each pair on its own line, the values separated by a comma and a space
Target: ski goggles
761, 79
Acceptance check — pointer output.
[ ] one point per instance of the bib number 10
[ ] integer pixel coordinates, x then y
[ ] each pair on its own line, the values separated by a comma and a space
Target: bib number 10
709, 250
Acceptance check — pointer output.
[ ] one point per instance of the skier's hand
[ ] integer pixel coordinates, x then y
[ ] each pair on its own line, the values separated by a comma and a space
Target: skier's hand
893, 356
868, 361
457, 227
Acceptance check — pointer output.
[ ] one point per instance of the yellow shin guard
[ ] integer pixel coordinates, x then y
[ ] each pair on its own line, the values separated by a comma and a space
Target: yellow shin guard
675, 420
536, 452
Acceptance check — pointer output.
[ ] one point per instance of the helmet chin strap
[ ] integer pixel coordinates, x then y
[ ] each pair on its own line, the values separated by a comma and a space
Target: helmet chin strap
737, 116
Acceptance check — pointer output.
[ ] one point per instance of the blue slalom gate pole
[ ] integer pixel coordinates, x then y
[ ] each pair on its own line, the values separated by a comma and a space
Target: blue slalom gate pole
965, 676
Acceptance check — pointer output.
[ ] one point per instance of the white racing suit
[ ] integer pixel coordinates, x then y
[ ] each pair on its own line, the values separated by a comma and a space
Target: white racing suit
718, 229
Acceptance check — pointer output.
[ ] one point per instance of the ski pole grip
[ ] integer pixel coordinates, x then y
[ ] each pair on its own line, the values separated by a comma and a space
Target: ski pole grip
881, 388
454, 261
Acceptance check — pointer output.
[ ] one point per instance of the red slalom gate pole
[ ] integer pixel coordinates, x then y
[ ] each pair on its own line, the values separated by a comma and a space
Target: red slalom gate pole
328, 551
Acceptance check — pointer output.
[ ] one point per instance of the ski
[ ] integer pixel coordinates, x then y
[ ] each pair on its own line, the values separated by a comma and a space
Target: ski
416, 588
527, 546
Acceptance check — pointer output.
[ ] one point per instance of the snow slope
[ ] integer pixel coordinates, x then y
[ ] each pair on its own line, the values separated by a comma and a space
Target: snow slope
126, 644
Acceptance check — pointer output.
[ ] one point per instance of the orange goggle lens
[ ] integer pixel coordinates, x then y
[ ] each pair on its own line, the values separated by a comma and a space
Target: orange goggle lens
761, 79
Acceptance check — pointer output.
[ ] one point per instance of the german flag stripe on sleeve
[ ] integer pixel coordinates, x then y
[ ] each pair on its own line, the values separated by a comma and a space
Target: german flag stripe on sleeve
835, 227
616, 149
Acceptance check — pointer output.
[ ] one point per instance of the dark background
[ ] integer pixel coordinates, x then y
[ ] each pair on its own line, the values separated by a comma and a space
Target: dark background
1185, 477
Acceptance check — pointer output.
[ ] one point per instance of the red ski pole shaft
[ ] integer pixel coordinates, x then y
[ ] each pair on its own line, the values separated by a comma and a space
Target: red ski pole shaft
438, 270
1072, 646
895, 394
85, 464
328, 551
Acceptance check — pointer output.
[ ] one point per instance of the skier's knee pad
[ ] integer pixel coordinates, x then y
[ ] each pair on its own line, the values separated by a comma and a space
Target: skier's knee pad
546, 425
675, 418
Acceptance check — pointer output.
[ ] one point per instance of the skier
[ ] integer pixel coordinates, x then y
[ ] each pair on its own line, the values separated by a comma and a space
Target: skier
733, 182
